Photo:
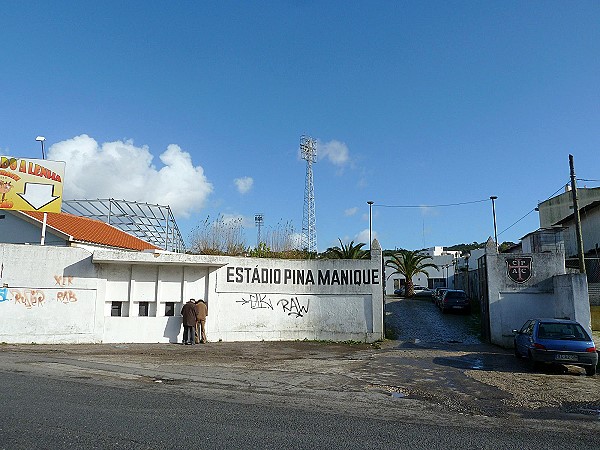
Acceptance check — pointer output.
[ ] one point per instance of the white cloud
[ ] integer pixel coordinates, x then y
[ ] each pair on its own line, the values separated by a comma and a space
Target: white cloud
121, 170
336, 151
363, 236
243, 184
351, 211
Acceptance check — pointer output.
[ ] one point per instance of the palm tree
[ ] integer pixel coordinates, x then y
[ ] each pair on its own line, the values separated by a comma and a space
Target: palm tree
349, 251
409, 263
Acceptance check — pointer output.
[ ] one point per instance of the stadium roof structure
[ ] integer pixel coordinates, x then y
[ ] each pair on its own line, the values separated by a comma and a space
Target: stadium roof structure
152, 223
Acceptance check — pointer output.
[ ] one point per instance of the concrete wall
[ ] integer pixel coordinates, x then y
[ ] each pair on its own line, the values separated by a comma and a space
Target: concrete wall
48, 294
548, 293
56, 295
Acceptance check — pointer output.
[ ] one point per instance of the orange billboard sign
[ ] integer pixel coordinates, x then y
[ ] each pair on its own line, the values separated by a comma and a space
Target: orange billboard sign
31, 184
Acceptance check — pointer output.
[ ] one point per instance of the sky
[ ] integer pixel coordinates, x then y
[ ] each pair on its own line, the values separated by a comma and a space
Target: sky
425, 108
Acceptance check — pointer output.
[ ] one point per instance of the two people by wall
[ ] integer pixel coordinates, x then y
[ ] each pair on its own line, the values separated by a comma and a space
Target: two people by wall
194, 314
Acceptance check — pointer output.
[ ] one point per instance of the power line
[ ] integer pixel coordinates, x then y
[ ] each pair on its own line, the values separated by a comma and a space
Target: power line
551, 195
432, 206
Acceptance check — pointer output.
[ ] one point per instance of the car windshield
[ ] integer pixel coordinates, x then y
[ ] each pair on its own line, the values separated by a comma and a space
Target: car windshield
451, 294
562, 331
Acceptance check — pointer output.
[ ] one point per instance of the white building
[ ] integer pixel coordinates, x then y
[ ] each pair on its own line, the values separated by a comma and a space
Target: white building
83, 290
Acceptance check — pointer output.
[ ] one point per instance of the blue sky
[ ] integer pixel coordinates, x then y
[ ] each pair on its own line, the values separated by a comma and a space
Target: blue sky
201, 106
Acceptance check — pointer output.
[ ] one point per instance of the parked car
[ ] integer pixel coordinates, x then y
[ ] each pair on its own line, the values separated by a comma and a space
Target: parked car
422, 291
556, 341
399, 291
455, 300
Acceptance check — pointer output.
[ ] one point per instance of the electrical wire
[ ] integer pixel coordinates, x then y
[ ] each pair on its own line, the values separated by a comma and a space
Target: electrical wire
551, 195
431, 206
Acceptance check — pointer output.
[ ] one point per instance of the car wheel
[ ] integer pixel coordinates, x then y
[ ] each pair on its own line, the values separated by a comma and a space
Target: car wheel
590, 371
533, 364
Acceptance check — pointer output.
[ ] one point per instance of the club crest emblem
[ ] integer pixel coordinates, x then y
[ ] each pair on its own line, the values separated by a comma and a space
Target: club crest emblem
519, 269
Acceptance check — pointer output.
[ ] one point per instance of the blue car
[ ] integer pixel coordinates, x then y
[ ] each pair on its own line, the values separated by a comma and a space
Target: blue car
556, 341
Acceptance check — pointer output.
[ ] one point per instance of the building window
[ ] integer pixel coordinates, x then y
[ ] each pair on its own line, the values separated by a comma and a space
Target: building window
170, 309
144, 307
115, 309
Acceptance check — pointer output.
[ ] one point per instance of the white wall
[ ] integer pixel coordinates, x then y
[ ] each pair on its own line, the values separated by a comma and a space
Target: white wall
548, 293
48, 294
54, 295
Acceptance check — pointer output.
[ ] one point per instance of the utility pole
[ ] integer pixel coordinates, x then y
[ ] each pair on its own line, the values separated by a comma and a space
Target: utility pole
370, 203
580, 256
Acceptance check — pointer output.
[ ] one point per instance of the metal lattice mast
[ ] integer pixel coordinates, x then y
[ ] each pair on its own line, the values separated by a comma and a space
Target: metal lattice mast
308, 149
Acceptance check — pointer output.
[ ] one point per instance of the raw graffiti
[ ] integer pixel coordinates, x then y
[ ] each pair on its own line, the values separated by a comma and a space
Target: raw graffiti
293, 307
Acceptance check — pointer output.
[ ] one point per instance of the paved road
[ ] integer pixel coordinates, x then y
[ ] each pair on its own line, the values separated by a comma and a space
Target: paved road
434, 387
421, 320
43, 413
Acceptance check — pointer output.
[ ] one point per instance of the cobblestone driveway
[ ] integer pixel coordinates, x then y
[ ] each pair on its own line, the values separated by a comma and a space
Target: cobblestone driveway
419, 320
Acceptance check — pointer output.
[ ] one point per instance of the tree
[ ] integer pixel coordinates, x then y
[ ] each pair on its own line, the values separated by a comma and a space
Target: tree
349, 251
410, 263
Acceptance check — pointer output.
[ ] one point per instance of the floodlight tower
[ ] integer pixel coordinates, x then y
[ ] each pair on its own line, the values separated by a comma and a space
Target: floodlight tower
308, 149
258, 220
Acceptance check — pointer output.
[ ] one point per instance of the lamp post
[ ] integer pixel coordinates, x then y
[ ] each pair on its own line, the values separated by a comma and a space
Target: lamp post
370, 203
493, 199
41, 139
467, 256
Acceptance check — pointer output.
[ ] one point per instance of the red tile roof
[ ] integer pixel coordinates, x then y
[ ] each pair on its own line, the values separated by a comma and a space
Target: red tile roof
92, 231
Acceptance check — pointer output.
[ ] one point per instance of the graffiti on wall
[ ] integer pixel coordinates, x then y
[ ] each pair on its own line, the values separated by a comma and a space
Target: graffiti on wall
257, 301
38, 297
63, 280
292, 306
28, 297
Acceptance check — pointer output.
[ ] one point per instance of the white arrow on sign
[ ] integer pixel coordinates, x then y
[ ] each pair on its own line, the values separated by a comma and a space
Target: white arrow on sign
38, 195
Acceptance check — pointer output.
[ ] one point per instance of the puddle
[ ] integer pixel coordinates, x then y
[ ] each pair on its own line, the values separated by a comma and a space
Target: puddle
398, 395
464, 363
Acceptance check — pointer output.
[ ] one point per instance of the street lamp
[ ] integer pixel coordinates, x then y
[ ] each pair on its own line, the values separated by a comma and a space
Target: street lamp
41, 139
370, 203
493, 199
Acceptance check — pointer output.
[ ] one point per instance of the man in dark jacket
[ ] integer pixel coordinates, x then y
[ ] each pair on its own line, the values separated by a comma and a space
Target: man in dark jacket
189, 321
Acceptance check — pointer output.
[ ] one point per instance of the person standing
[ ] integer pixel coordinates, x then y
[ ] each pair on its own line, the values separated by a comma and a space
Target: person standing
201, 313
189, 321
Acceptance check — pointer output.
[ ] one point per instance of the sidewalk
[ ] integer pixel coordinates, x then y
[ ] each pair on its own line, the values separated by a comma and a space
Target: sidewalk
395, 379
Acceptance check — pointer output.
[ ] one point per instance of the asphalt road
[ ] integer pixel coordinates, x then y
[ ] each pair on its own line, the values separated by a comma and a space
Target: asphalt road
46, 413
436, 386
